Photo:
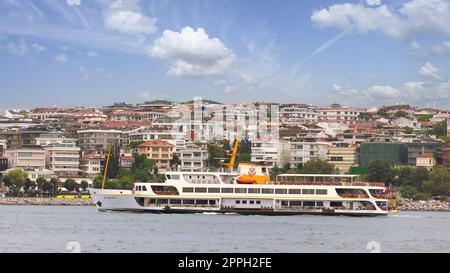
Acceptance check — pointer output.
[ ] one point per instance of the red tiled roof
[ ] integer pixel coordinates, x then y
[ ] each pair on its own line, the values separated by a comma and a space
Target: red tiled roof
426, 155
156, 142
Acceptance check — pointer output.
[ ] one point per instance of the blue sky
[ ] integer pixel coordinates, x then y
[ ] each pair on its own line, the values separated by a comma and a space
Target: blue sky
89, 53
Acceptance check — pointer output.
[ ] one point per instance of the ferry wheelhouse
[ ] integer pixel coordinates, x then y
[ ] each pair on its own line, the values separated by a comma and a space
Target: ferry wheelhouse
249, 191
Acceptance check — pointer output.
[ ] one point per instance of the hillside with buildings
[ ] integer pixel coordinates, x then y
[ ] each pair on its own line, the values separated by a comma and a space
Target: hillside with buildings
71, 144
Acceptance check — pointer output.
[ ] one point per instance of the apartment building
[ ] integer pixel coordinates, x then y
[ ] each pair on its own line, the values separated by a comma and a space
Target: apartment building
160, 131
193, 157
426, 160
24, 136
343, 156
3, 146
423, 146
298, 114
339, 114
91, 164
27, 156
301, 152
97, 140
395, 153
159, 150
272, 152
63, 158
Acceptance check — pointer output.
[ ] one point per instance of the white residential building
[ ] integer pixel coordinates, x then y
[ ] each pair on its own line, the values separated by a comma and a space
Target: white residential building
63, 158
34, 173
339, 114
272, 152
28, 156
302, 152
91, 164
193, 157
298, 114
3, 146
96, 140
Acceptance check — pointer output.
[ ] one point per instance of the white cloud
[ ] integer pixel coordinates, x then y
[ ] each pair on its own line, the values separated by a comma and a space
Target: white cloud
73, 2
413, 18
130, 21
345, 90
432, 87
192, 53
38, 48
442, 48
61, 59
382, 92
19, 49
92, 54
230, 89
373, 2
84, 73
126, 16
429, 70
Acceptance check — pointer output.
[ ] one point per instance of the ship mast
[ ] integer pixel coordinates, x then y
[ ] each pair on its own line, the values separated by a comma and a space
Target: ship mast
106, 168
233, 155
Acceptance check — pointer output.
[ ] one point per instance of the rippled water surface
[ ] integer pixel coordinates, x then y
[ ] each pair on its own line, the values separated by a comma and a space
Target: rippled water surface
50, 229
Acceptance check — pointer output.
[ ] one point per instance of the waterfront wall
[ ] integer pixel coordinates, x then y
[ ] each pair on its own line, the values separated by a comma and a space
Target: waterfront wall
422, 205
35, 201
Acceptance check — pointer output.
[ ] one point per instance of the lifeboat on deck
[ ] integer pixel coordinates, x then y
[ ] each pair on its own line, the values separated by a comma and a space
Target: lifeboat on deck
246, 180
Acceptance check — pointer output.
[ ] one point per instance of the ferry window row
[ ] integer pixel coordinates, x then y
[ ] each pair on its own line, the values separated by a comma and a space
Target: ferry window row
255, 190
155, 201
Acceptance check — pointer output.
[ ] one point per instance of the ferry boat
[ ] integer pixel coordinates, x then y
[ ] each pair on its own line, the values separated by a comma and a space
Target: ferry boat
248, 190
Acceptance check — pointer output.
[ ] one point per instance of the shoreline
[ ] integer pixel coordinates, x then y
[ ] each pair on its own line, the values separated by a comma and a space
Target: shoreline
38, 201
423, 205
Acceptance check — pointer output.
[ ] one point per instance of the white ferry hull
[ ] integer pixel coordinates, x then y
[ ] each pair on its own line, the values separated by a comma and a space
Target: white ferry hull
125, 200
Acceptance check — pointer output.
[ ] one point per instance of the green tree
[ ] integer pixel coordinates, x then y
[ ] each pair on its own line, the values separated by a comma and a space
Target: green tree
84, 185
401, 114
215, 154
408, 130
424, 118
408, 191
55, 185
365, 116
70, 184
18, 177
40, 183
318, 166
97, 182
7, 181
382, 112
273, 172
380, 171
438, 183
418, 176
439, 129
136, 143
404, 175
